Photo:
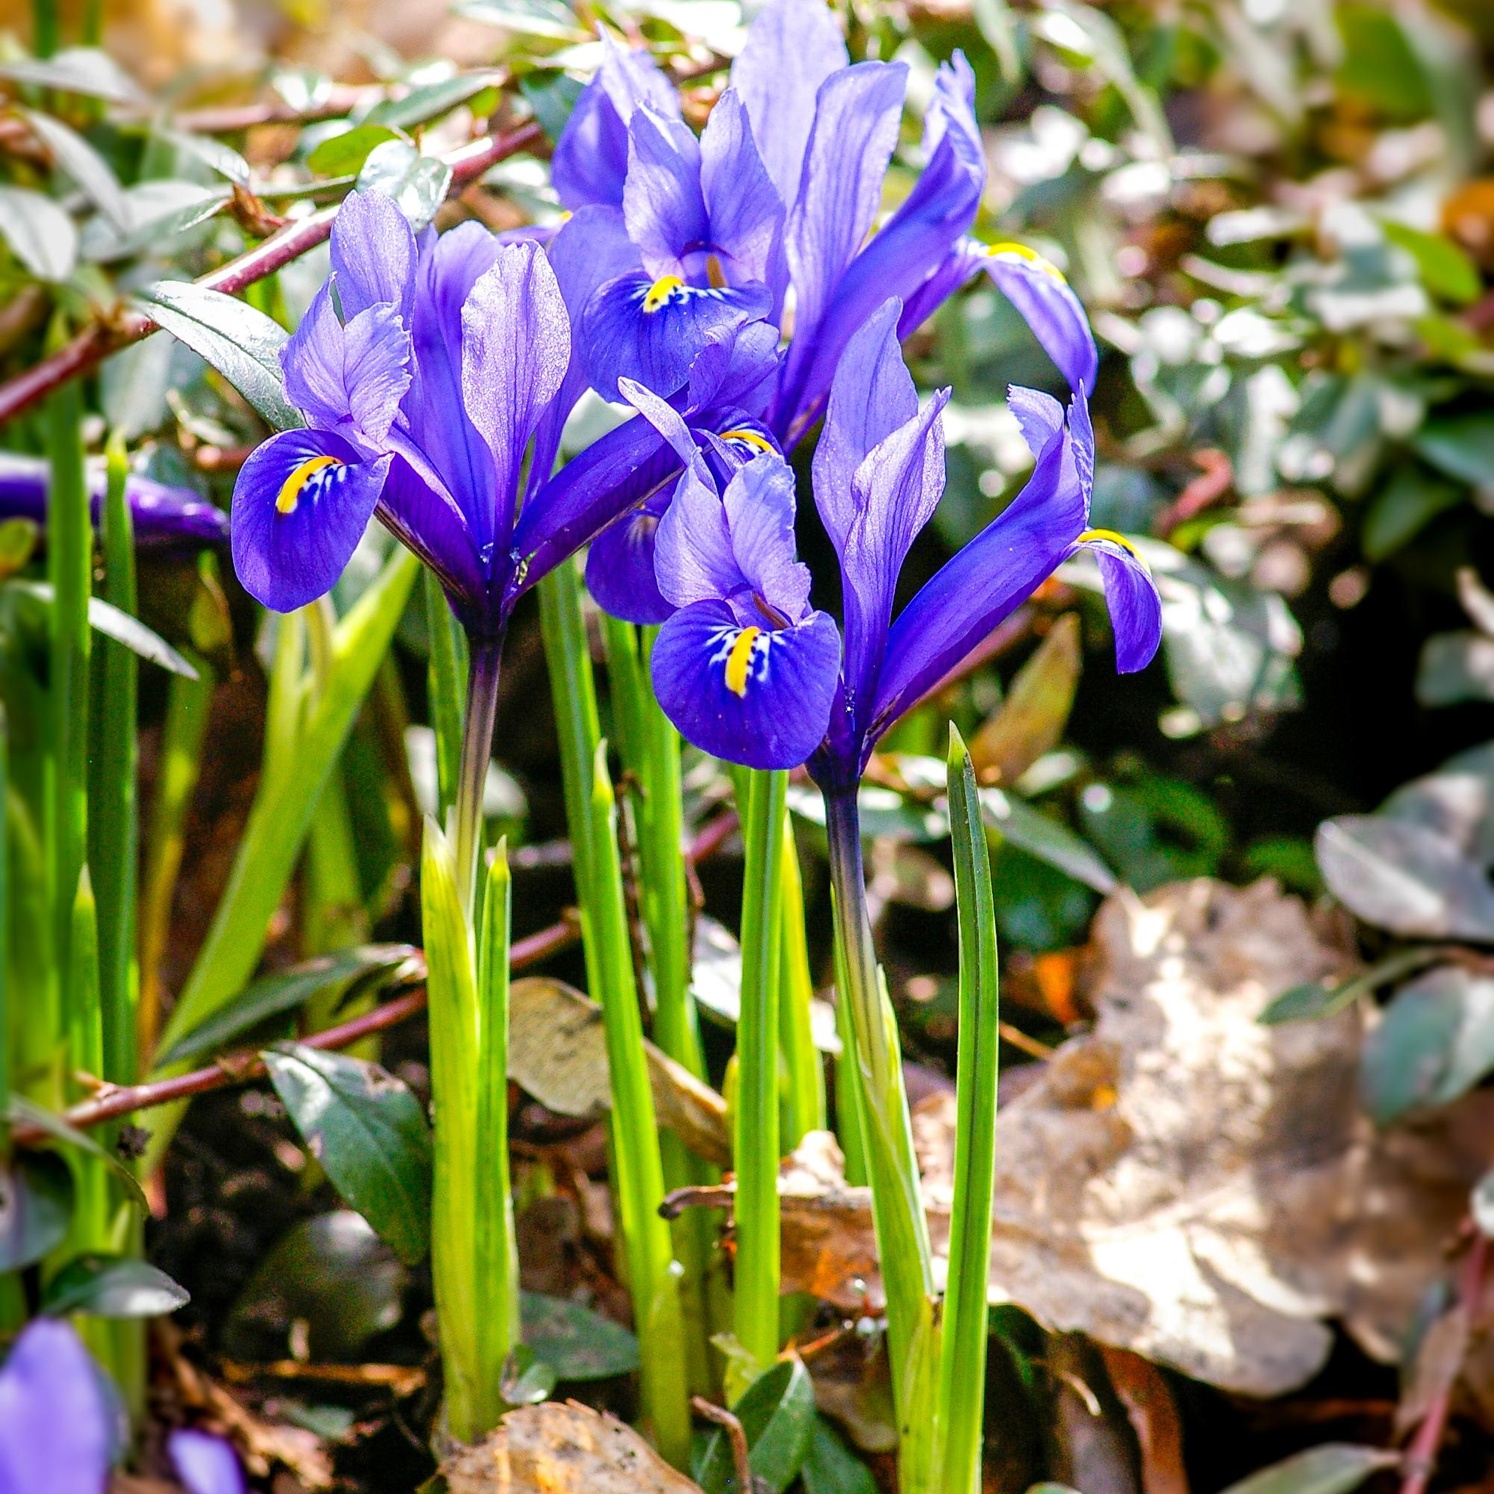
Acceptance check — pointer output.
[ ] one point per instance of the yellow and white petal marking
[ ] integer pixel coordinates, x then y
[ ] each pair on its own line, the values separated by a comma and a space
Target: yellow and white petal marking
739, 661
1029, 256
749, 438
291, 489
662, 292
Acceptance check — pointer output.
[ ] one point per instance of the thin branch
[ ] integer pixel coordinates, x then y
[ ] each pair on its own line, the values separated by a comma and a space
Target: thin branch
98, 341
740, 1454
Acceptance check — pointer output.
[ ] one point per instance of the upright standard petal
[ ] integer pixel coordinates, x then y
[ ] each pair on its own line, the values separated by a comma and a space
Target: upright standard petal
693, 556
759, 508
913, 242
652, 331
986, 581
792, 47
590, 163
855, 129
662, 200
749, 694
373, 254
1131, 596
57, 1428
300, 506
516, 343
871, 396
742, 205
349, 379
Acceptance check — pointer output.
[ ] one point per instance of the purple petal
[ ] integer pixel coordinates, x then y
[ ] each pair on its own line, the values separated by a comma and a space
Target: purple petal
988, 580
693, 556
872, 396
620, 566
373, 254
736, 367
430, 524
662, 201
759, 508
897, 488
1039, 416
164, 516
57, 1428
855, 129
204, 1463
742, 205
792, 47
915, 240
300, 506
590, 164
516, 343
662, 416
652, 331
748, 695
1131, 596
953, 273
1050, 307
348, 378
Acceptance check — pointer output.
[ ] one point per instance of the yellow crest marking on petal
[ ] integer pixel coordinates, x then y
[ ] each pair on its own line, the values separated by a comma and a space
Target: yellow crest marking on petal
1112, 536
1036, 260
749, 438
290, 490
660, 292
738, 660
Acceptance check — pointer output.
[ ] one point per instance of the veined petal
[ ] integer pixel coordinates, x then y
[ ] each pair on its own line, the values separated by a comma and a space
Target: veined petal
349, 378
431, 524
652, 331
662, 200
1131, 595
373, 254
1039, 415
1049, 306
857, 111
742, 205
986, 581
590, 164
662, 416
300, 506
57, 1429
620, 566
759, 507
516, 343
693, 556
792, 47
872, 396
897, 488
736, 366
913, 242
749, 695
954, 272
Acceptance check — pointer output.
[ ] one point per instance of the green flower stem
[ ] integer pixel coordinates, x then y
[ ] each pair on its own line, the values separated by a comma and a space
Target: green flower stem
477, 751
70, 571
756, 1146
497, 1264
962, 1369
446, 675
639, 1172
897, 1204
650, 751
113, 832
805, 1108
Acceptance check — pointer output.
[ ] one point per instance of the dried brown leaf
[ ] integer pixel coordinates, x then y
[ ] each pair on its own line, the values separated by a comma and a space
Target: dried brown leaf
1154, 1418
556, 1448
1030, 721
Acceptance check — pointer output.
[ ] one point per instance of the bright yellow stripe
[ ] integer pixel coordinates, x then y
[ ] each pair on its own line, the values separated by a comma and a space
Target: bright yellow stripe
290, 489
1112, 536
738, 660
1036, 260
660, 292
751, 438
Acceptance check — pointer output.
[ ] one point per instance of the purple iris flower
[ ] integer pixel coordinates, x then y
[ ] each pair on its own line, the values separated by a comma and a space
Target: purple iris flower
432, 374
59, 1427
165, 517
769, 212
205, 1464
749, 671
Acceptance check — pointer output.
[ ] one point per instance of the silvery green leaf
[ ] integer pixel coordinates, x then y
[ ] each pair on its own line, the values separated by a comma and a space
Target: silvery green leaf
39, 232
85, 70
417, 183
93, 174
158, 210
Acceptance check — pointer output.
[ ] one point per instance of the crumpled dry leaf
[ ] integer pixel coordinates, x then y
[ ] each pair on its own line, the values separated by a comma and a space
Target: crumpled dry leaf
556, 1448
557, 1052
1184, 1182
